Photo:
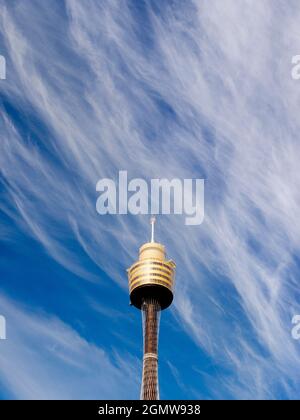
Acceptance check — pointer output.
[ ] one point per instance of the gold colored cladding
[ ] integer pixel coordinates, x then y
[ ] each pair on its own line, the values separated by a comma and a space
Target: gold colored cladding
152, 251
151, 268
153, 283
150, 274
150, 277
151, 280
168, 265
154, 261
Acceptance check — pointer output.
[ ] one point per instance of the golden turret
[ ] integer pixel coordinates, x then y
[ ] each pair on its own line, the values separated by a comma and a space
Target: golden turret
152, 276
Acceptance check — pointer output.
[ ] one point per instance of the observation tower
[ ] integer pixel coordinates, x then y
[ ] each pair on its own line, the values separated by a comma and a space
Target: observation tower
151, 281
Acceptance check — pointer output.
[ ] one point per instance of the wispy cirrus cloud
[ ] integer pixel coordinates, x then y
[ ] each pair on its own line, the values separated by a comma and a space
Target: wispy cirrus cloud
44, 358
179, 89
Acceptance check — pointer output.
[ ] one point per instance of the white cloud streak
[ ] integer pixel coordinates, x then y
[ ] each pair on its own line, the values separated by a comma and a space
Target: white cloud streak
223, 71
44, 358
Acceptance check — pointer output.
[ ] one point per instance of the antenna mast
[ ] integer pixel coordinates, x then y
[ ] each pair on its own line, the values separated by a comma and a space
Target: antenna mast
152, 222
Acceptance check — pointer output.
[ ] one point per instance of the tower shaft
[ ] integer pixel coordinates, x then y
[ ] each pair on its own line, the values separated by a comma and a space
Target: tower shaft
151, 315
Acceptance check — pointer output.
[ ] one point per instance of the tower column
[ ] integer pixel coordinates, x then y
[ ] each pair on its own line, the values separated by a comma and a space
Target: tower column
151, 316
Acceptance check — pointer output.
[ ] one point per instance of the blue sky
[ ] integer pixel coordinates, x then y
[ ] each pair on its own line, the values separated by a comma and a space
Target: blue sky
184, 89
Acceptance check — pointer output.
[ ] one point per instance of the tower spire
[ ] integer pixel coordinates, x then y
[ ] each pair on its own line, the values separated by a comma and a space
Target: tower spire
152, 222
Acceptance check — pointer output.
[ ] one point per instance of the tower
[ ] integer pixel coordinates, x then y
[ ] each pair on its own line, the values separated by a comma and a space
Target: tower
151, 281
